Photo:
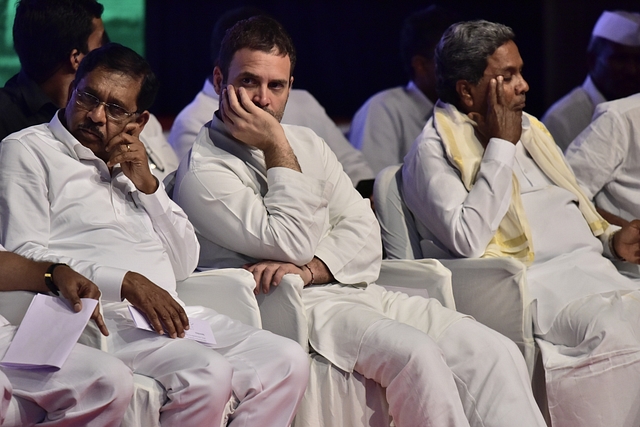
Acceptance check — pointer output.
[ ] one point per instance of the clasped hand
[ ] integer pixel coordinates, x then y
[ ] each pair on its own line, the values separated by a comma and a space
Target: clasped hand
626, 242
270, 273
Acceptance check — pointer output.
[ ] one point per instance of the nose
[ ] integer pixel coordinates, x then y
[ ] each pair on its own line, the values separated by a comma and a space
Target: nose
261, 97
98, 114
523, 86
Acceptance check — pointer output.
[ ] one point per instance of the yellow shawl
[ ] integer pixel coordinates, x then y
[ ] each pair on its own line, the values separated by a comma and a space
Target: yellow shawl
464, 151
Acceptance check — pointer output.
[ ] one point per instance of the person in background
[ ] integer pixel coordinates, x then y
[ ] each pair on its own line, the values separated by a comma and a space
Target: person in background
387, 124
613, 60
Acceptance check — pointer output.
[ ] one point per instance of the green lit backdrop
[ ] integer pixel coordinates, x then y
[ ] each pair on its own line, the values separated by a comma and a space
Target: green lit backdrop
123, 20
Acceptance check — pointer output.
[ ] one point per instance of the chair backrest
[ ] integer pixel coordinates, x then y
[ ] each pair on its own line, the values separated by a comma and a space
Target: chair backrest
400, 237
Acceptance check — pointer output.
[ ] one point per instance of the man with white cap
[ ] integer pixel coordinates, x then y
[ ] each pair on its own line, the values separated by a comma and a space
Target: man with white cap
614, 72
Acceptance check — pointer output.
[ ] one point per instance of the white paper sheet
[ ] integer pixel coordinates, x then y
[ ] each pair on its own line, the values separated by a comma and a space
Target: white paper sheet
48, 333
199, 330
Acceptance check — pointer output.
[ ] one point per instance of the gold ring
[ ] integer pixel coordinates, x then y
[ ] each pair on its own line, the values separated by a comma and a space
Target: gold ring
128, 147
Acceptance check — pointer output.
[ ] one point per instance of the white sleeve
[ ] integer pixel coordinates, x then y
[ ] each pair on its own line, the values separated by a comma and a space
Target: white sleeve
227, 209
352, 250
25, 221
598, 152
463, 221
159, 151
174, 230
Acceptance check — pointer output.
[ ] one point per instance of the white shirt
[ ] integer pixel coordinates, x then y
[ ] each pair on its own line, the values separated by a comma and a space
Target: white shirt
606, 157
245, 213
572, 114
57, 197
3, 321
302, 110
568, 258
162, 158
385, 127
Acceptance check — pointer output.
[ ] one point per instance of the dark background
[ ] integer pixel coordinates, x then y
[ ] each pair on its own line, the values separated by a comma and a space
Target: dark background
348, 50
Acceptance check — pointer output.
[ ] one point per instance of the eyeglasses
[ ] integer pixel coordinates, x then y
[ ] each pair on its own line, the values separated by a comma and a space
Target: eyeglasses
89, 102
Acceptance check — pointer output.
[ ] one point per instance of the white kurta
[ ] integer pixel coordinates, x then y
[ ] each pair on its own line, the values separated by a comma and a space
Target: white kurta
572, 113
302, 110
385, 127
606, 157
245, 213
59, 202
568, 273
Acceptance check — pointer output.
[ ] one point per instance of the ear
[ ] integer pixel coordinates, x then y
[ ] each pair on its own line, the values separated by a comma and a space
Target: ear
465, 93
75, 57
218, 78
290, 82
140, 121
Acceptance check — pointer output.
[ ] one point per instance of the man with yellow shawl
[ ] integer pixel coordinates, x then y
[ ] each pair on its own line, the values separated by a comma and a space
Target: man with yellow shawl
485, 179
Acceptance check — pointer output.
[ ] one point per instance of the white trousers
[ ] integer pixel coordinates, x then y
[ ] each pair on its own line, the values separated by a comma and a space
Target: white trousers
439, 367
267, 373
591, 357
91, 389
460, 375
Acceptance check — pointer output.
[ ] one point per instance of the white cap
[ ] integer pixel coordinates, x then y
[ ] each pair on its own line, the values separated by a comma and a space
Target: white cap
619, 27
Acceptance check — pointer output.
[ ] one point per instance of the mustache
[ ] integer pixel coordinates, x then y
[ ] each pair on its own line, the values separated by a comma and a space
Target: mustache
91, 128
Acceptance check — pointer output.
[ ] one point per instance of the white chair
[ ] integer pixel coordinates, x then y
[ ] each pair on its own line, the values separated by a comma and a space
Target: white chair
335, 397
228, 291
492, 290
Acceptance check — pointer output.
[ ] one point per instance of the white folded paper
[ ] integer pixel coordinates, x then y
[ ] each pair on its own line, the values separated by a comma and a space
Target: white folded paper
199, 330
48, 333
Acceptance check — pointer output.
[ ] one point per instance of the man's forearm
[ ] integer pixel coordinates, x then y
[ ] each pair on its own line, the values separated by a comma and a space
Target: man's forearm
281, 155
20, 273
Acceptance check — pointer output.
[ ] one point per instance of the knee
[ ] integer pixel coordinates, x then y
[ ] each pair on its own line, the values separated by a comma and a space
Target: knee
294, 364
120, 382
209, 378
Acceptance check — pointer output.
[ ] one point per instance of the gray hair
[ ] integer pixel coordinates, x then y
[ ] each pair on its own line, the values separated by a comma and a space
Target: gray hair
462, 54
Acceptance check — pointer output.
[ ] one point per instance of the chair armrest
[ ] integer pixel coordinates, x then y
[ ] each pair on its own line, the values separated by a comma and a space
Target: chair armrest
425, 277
283, 311
494, 291
228, 291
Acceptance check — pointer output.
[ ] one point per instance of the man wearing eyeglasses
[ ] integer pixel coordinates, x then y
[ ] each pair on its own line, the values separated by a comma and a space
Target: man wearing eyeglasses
79, 190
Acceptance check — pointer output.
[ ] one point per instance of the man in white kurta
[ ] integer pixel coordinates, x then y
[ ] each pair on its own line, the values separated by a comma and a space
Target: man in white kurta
606, 157
67, 195
386, 125
586, 315
613, 58
287, 207
90, 389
